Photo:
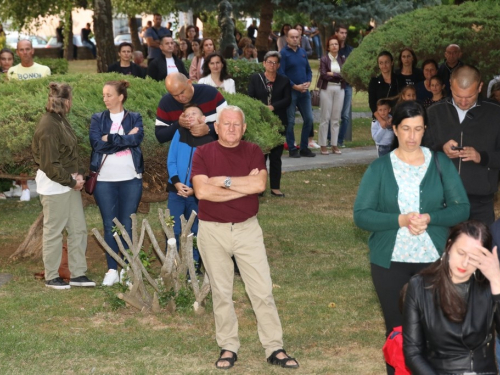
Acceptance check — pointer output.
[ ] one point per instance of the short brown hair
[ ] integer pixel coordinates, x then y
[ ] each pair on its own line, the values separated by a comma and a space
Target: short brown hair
331, 38
59, 98
125, 44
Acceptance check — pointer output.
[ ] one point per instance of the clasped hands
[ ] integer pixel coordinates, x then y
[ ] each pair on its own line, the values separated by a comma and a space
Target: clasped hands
80, 181
415, 222
303, 87
466, 154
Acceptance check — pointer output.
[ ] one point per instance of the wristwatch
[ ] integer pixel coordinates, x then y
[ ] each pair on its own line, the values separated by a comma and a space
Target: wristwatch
227, 182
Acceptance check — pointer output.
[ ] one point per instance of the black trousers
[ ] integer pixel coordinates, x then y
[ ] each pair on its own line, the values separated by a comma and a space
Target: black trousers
481, 208
275, 166
388, 283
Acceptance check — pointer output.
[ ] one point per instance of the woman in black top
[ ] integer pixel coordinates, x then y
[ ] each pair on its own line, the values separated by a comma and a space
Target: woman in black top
451, 309
274, 91
408, 70
430, 69
386, 85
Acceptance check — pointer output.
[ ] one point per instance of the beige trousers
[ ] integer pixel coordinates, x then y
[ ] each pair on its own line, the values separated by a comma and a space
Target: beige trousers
332, 100
217, 243
64, 211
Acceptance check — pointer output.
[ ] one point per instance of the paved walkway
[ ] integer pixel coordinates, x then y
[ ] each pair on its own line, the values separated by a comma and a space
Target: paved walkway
349, 156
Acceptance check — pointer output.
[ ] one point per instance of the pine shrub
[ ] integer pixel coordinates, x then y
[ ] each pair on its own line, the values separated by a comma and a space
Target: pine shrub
23, 103
474, 26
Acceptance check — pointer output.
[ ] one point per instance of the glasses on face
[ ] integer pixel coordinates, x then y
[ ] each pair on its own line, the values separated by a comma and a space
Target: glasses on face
271, 62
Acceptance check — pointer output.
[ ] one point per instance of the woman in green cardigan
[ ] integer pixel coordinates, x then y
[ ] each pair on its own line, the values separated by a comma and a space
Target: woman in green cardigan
408, 199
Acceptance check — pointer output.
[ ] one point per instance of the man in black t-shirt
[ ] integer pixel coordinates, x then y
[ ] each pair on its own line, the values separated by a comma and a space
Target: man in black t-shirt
125, 64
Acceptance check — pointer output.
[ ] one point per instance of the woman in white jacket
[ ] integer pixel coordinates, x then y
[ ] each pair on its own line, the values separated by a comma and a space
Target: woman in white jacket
215, 73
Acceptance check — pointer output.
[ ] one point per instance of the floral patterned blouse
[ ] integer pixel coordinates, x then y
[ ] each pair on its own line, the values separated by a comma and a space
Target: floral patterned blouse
410, 248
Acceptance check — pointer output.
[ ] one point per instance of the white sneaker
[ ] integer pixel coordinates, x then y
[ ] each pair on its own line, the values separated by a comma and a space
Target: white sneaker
16, 190
25, 195
313, 144
110, 278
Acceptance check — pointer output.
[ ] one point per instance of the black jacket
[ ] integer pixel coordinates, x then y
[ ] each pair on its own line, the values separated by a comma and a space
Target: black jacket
136, 70
480, 129
280, 98
157, 69
434, 345
378, 89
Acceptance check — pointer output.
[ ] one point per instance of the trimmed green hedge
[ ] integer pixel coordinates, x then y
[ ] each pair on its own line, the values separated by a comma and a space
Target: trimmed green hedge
240, 70
475, 26
24, 102
57, 66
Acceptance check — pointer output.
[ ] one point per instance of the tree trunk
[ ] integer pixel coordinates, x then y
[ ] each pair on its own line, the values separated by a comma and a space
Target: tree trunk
134, 32
32, 244
103, 30
68, 37
266, 19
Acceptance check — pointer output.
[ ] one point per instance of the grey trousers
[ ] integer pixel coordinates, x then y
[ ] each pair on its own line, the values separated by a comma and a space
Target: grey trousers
64, 211
332, 101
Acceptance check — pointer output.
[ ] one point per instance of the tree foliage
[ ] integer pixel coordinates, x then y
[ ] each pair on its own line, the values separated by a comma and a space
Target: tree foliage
381, 10
473, 25
23, 102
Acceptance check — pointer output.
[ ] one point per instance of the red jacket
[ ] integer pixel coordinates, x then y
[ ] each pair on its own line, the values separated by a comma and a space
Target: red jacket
393, 351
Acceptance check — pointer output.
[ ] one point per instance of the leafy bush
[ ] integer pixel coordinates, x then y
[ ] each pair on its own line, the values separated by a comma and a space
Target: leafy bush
23, 103
240, 70
473, 25
57, 66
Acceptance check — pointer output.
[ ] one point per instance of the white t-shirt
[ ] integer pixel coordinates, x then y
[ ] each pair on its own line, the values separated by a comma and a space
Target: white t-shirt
120, 165
45, 186
171, 67
19, 72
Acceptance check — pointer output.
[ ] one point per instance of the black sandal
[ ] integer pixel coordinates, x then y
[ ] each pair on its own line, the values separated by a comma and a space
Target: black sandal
274, 360
229, 360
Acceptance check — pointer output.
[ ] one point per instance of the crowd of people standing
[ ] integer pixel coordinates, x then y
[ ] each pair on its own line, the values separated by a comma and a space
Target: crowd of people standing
428, 200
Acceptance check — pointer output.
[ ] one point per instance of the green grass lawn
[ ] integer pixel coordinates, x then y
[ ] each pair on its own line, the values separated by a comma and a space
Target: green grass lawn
82, 66
319, 262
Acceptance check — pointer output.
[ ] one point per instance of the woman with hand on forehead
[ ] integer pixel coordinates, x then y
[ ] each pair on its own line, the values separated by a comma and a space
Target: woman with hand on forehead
451, 309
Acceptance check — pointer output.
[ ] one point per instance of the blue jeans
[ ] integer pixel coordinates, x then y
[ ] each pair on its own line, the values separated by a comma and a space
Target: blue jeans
118, 199
383, 150
303, 101
317, 45
90, 46
345, 117
183, 206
